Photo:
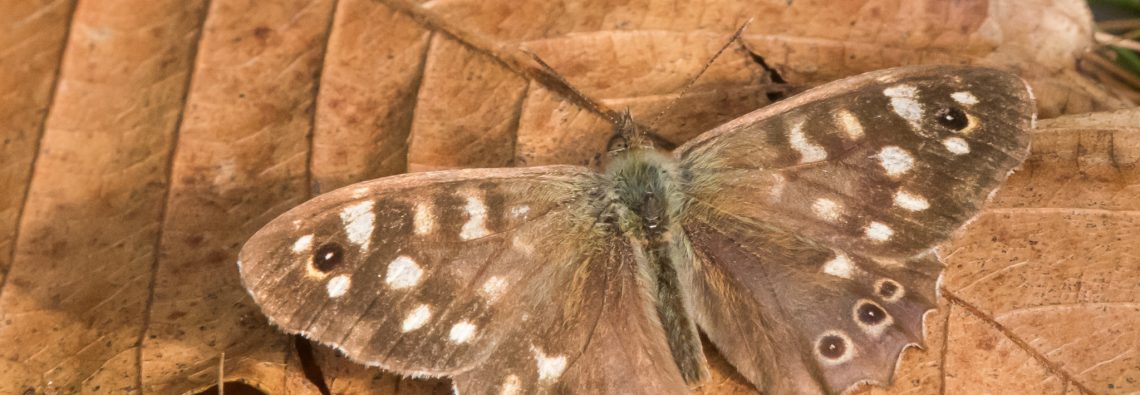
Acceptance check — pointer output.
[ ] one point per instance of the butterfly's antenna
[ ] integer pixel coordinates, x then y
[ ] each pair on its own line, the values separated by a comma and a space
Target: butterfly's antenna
692, 81
551, 78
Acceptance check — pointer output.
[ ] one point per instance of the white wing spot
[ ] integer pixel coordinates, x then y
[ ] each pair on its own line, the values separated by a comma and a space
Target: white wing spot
896, 161
476, 225
904, 102
549, 368
303, 243
878, 231
910, 201
423, 220
511, 385
403, 272
826, 209
964, 98
778, 184
809, 152
359, 221
493, 288
850, 124
520, 211
956, 145
417, 318
840, 266
521, 246
461, 332
338, 285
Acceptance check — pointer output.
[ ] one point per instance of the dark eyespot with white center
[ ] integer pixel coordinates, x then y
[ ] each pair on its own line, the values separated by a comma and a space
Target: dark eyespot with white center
328, 257
834, 348
952, 118
889, 290
871, 317
870, 314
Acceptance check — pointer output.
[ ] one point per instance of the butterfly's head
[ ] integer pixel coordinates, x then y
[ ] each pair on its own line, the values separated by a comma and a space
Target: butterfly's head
644, 185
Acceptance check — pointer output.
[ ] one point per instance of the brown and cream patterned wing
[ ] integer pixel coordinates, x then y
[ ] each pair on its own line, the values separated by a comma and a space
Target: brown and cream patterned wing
885, 164
447, 273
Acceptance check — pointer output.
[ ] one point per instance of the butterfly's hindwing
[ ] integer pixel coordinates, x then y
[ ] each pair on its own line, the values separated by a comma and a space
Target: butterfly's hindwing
607, 339
771, 302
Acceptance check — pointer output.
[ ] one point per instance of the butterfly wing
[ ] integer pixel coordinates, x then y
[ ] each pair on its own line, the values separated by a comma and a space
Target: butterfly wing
812, 221
502, 272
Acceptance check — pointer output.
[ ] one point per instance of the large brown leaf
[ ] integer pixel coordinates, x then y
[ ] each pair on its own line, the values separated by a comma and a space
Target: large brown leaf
145, 140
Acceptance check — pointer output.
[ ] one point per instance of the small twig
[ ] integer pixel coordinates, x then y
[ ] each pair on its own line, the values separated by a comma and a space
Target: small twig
521, 62
1116, 41
1116, 71
1119, 24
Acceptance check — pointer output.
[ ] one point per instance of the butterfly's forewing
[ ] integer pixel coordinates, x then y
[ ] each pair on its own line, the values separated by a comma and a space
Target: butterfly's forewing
813, 220
885, 164
436, 274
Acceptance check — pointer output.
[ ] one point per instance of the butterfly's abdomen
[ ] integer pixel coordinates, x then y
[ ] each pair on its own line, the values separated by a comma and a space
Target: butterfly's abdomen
647, 203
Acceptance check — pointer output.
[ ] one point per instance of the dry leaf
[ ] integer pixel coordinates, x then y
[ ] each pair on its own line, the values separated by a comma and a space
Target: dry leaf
145, 140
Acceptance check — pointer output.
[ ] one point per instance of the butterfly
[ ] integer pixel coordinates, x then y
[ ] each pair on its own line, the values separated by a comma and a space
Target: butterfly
799, 238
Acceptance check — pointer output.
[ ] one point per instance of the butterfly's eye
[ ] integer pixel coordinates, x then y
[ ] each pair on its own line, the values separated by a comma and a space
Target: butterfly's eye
952, 118
327, 257
832, 347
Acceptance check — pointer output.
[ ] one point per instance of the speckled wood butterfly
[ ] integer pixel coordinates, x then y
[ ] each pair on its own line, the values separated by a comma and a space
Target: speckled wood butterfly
798, 237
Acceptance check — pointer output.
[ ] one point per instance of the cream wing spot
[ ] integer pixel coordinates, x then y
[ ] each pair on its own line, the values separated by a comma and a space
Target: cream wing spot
956, 145
359, 221
911, 202
549, 367
403, 272
493, 288
850, 124
423, 220
338, 285
303, 243
511, 385
904, 102
809, 152
476, 225
826, 209
778, 184
520, 211
416, 318
878, 231
520, 245
840, 266
964, 98
461, 332
895, 161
